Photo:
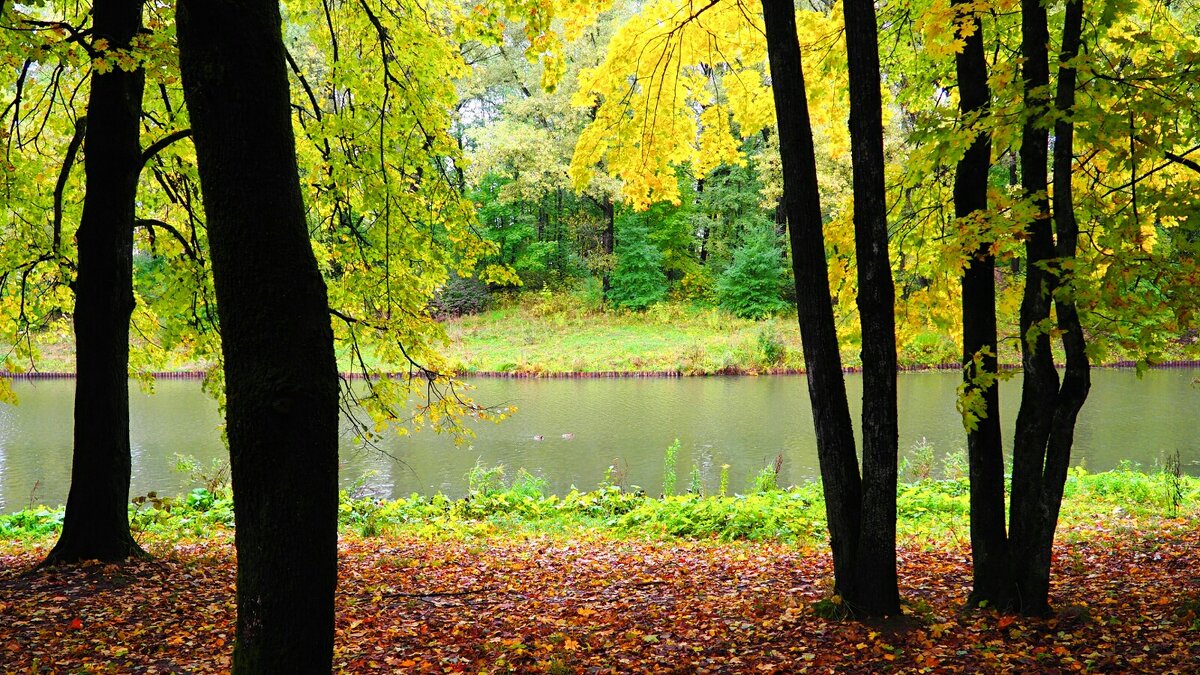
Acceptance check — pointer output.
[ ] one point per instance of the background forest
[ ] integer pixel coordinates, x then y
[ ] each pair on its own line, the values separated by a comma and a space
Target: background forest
634, 163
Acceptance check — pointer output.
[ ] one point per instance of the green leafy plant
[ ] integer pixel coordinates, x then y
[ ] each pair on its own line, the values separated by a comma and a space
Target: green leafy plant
918, 464
696, 481
669, 477
955, 465
483, 480
213, 477
767, 480
770, 347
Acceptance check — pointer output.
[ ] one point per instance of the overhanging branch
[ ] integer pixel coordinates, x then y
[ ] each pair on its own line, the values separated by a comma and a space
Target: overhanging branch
61, 184
159, 145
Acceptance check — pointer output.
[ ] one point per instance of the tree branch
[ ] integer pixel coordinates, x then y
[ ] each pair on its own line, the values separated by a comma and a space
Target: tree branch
1179, 159
151, 223
312, 98
158, 146
61, 184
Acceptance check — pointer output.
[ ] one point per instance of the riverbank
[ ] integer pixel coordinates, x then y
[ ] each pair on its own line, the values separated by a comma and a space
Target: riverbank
514, 581
560, 335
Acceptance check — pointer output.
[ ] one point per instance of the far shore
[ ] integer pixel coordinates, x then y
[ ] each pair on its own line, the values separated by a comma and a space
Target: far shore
612, 374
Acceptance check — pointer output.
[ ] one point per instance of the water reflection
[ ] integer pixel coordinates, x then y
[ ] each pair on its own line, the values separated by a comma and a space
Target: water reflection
625, 424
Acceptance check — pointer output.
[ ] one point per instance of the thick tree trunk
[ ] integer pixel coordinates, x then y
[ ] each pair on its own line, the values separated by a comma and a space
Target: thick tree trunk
281, 378
991, 579
879, 594
96, 525
826, 386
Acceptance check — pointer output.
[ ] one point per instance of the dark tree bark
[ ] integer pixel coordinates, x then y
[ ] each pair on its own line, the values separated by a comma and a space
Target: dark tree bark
1046, 420
876, 309
1040, 386
608, 241
826, 385
281, 378
989, 541
96, 525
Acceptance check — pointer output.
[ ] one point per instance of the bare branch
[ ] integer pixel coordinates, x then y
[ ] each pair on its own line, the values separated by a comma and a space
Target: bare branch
159, 145
151, 223
61, 184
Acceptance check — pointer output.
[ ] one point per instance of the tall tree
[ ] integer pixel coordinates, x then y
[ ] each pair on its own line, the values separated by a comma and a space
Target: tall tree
96, 525
705, 78
818, 335
876, 309
281, 377
985, 452
1049, 408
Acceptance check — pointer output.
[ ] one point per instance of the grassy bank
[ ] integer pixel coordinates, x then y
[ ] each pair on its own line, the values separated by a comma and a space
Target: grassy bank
559, 333
563, 333
545, 333
931, 511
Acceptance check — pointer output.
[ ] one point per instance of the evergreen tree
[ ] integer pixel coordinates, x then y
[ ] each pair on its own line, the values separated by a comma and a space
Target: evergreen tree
639, 280
751, 286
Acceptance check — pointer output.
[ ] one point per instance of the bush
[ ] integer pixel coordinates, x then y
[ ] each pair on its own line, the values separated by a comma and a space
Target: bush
638, 281
772, 351
459, 296
750, 287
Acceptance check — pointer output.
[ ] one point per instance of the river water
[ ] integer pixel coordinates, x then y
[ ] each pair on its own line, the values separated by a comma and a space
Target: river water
744, 422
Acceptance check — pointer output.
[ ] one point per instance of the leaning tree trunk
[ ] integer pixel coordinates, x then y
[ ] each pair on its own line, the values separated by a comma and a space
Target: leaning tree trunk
826, 385
878, 591
280, 373
991, 578
96, 525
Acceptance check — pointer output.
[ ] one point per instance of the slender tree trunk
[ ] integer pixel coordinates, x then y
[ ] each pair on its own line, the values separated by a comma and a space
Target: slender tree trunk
991, 577
1040, 385
281, 378
1038, 510
876, 307
826, 385
96, 525
608, 241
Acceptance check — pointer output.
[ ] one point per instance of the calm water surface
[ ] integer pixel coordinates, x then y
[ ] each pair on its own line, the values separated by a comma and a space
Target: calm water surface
740, 421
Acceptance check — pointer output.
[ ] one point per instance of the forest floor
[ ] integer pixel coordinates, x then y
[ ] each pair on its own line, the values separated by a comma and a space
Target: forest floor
1127, 599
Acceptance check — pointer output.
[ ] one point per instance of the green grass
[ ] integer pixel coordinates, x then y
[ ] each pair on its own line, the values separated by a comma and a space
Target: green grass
554, 334
932, 513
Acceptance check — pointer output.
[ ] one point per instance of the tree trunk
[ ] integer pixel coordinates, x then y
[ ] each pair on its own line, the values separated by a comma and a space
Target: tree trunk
96, 525
1046, 421
281, 378
879, 594
608, 241
991, 579
1041, 469
826, 385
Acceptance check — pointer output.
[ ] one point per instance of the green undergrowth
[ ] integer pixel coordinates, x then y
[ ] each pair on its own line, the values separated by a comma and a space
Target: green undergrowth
931, 512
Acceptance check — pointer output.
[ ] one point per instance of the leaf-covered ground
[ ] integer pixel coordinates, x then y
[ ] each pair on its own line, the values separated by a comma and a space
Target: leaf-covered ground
1127, 601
